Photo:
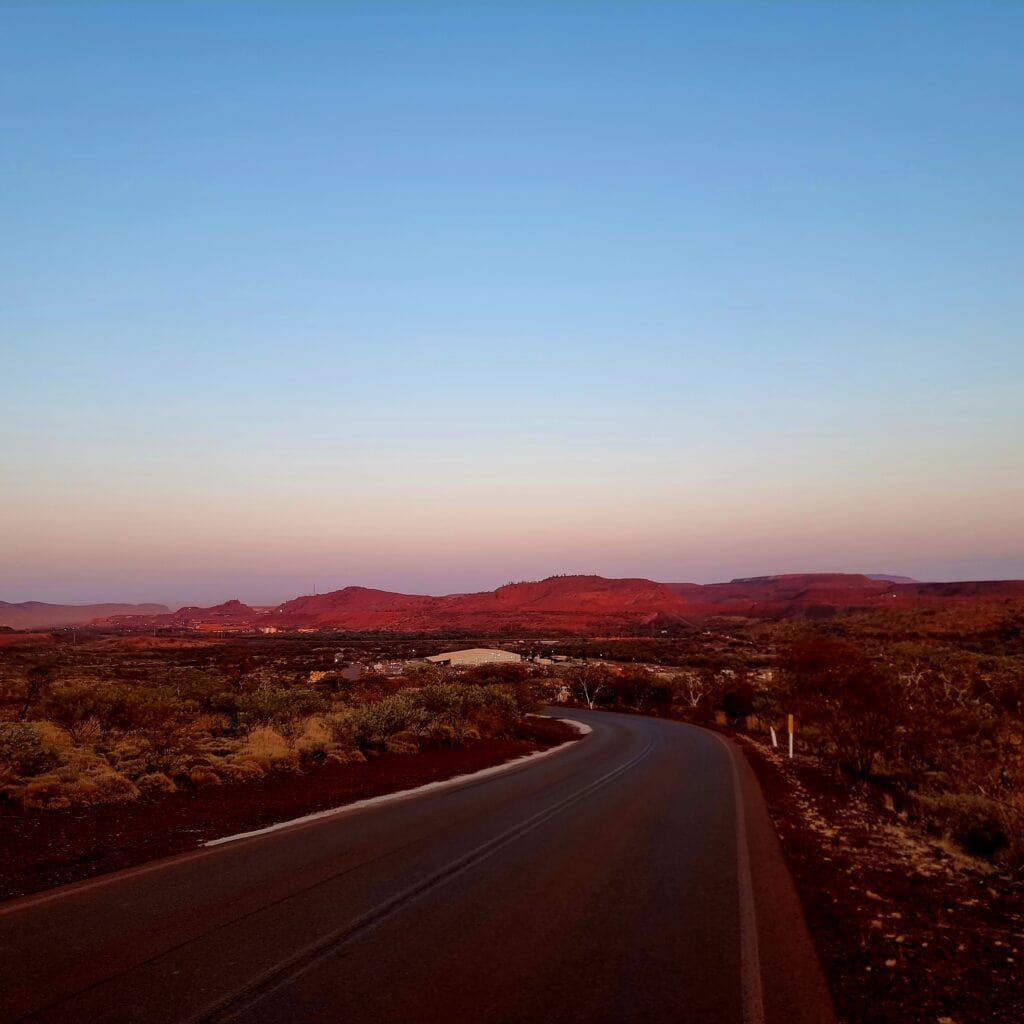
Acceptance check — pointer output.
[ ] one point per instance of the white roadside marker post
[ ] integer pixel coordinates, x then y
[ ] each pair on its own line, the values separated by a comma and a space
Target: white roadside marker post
789, 729
775, 739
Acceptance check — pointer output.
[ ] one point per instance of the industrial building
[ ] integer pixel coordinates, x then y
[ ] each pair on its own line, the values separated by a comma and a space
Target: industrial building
475, 656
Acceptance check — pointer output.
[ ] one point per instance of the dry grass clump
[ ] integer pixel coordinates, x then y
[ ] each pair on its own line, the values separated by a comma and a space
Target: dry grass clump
403, 743
977, 824
41, 767
65, 788
132, 756
266, 747
26, 748
241, 769
313, 742
204, 775
155, 783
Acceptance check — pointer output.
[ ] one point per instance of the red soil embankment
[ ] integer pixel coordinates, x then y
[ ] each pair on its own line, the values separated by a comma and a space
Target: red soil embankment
908, 931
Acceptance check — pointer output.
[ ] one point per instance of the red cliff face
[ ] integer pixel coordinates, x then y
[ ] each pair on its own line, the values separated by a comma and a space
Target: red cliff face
354, 607
561, 602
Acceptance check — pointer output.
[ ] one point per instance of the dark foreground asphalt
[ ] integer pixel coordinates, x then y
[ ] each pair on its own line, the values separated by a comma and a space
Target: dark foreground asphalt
617, 880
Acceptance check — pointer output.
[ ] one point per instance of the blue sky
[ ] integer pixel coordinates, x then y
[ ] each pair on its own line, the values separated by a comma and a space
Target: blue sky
433, 296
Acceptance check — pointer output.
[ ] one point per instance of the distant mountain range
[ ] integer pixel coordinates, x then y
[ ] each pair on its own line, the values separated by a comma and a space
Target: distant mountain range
583, 604
39, 615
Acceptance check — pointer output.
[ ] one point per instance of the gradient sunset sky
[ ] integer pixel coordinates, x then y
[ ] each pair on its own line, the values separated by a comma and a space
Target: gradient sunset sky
431, 297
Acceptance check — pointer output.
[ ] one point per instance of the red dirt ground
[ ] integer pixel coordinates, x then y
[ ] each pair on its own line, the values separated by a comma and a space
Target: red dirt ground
909, 932
26, 640
42, 849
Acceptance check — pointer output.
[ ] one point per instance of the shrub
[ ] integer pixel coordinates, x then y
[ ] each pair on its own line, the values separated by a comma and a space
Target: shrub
738, 701
345, 755
402, 743
155, 783
204, 775
496, 674
975, 823
313, 742
448, 714
153, 730
242, 768
371, 725
56, 791
854, 702
495, 712
642, 689
86, 707
47, 792
269, 749
130, 756
282, 707
24, 751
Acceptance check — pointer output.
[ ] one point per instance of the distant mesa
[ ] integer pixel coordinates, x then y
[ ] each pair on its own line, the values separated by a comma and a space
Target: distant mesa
39, 615
231, 615
589, 605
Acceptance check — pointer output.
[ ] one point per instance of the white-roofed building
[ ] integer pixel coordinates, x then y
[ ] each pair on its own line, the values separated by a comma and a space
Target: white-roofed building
475, 656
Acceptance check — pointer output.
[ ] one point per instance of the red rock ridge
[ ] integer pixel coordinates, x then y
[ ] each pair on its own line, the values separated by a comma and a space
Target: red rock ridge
585, 604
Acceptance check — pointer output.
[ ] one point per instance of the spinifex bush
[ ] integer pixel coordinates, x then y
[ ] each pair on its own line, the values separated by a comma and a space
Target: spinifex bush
267, 748
24, 751
115, 726
77, 775
976, 823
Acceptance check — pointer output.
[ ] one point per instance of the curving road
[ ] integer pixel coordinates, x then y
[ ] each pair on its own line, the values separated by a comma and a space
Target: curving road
633, 876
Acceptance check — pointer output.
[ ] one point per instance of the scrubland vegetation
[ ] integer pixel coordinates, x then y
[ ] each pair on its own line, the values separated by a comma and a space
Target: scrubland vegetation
932, 726
98, 724
922, 713
904, 723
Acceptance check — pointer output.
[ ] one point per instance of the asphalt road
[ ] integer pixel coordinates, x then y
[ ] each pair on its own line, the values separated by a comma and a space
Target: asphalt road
633, 876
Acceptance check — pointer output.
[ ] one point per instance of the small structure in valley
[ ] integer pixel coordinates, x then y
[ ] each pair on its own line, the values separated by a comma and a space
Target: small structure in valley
475, 656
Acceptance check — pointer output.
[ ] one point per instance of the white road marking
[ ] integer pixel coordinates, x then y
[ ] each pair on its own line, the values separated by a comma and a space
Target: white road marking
288, 970
751, 983
406, 794
21, 903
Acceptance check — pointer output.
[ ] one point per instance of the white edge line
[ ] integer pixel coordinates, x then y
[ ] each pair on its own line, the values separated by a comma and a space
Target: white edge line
405, 794
751, 984
70, 889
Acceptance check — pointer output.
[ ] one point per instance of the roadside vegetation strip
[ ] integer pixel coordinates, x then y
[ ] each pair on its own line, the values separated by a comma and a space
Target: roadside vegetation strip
456, 782
42, 850
908, 928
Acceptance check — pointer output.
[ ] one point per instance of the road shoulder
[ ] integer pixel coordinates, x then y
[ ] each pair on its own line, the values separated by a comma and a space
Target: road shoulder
41, 850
